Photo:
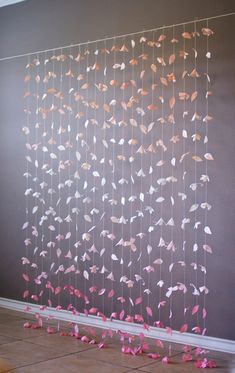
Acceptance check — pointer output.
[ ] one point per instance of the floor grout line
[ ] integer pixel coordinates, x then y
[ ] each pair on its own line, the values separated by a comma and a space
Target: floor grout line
80, 344
43, 361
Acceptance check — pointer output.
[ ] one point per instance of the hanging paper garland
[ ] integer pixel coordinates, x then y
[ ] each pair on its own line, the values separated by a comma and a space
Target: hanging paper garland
116, 221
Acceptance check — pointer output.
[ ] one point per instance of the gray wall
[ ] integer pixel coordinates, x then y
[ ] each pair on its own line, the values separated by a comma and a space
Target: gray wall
38, 25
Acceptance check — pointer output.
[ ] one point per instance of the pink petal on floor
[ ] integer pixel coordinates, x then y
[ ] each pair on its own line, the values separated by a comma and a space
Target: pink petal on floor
126, 349
85, 339
165, 360
187, 357
92, 342
154, 356
101, 345
51, 330
211, 364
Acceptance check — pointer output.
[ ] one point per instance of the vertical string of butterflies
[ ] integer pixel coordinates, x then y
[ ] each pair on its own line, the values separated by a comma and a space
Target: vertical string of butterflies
117, 174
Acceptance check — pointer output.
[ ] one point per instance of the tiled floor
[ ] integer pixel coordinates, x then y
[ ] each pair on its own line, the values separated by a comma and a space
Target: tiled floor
33, 351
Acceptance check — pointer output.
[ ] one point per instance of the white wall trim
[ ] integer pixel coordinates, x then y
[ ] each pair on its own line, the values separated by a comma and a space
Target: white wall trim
211, 343
9, 2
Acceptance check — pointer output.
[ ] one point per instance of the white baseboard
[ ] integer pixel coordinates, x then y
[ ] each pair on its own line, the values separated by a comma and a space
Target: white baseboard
211, 343
9, 2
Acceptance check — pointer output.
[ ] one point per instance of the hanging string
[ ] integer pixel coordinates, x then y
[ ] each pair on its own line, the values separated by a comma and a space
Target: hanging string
103, 171
151, 170
162, 158
43, 163
206, 168
117, 36
51, 190
141, 177
184, 175
27, 132
172, 175
131, 165
87, 52
113, 158
195, 163
59, 173
77, 177
94, 167
69, 165
35, 232
122, 162
44, 147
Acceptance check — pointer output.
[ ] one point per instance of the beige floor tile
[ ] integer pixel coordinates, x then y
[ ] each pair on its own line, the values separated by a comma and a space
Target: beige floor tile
4, 339
5, 317
72, 364
62, 344
23, 353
